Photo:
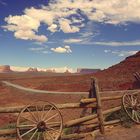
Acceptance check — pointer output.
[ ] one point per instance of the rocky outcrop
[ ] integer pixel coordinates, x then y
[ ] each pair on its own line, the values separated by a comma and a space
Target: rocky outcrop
67, 72
5, 69
32, 70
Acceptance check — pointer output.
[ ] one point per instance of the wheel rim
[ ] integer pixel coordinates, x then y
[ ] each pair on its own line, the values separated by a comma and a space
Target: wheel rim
131, 106
39, 122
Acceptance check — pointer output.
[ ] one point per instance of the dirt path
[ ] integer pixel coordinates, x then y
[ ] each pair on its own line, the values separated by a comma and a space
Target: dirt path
121, 133
38, 91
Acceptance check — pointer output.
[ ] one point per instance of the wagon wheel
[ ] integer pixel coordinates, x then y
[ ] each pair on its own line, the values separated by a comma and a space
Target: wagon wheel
39, 122
131, 104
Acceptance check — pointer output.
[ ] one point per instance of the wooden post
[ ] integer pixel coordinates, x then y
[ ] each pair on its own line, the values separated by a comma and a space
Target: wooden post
99, 107
92, 93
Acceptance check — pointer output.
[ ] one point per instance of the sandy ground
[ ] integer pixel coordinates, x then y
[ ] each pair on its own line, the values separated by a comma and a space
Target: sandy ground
121, 133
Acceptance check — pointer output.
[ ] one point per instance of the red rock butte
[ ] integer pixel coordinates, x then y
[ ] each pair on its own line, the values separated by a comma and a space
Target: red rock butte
5, 68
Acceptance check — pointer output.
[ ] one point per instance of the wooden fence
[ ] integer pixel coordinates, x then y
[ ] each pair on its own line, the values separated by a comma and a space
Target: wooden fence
94, 102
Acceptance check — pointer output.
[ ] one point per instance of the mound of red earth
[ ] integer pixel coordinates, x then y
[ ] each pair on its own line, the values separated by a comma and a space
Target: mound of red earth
5, 68
121, 76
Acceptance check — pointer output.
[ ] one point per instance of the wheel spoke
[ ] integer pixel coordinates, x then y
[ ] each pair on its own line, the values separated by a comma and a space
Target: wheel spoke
47, 113
129, 98
127, 101
37, 113
26, 125
33, 134
29, 119
136, 116
42, 113
32, 115
50, 135
133, 114
51, 117
132, 99
50, 128
38, 136
53, 123
28, 132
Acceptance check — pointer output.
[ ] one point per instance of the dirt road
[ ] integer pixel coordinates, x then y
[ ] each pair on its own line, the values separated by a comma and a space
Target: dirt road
38, 91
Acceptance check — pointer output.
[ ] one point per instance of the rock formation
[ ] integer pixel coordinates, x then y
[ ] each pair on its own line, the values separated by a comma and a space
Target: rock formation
32, 70
5, 69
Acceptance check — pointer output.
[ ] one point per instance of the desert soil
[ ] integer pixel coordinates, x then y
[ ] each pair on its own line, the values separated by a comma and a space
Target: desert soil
121, 133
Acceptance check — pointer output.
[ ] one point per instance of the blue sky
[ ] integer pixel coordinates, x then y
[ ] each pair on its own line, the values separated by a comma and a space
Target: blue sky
68, 33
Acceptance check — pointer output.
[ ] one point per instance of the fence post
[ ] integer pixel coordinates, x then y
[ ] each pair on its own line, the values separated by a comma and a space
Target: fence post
92, 93
99, 107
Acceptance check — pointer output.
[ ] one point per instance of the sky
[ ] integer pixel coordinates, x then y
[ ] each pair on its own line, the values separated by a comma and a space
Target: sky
68, 34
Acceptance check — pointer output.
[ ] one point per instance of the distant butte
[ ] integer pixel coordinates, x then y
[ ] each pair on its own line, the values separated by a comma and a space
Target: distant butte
5, 69
32, 70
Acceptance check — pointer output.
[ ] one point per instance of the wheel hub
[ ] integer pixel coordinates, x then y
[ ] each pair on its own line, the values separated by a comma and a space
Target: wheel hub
41, 126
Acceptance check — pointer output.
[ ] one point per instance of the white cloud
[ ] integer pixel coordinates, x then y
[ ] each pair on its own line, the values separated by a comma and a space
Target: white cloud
30, 35
52, 28
72, 40
115, 43
121, 53
66, 27
57, 16
37, 49
112, 11
24, 27
65, 49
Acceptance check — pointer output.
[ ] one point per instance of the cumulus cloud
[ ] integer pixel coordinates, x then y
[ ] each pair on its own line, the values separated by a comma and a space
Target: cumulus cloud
30, 35
67, 15
66, 27
52, 28
121, 53
65, 49
24, 27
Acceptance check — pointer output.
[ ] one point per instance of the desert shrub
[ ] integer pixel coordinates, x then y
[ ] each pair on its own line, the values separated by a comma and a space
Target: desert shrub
10, 125
122, 116
67, 131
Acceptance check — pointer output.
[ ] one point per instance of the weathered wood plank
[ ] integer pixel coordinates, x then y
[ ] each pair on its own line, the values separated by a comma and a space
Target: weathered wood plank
99, 107
59, 106
113, 122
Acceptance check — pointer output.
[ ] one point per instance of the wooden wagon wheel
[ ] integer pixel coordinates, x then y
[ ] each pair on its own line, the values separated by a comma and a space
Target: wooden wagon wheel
131, 105
39, 122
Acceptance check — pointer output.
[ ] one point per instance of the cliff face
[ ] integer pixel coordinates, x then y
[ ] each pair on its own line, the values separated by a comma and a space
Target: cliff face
5, 68
121, 76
